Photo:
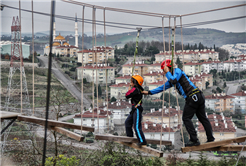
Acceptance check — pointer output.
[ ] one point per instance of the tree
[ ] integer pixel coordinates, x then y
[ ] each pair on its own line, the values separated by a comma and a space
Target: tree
113, 99
218, 89
179, 63
99, 91
224, 84
207, 83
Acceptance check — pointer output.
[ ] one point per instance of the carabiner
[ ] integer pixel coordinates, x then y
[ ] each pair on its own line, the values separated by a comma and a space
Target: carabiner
194, 97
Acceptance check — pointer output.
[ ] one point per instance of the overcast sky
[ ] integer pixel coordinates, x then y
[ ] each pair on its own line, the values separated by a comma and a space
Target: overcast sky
178, 7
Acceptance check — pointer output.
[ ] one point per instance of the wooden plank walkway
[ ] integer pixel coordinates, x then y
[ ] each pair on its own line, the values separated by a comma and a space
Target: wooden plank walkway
53, 123
228, 148
8, 115
143, 149
215, 144
129, 139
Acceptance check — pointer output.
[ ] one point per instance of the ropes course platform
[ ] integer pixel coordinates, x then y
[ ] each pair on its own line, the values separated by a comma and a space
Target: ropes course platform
130, 141
217, 145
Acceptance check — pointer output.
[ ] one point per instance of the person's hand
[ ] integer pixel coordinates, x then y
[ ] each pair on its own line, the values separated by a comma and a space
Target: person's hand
166, 69
145, 92
129, 88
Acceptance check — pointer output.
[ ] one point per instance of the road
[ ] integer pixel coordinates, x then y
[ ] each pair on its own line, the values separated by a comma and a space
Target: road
65, 80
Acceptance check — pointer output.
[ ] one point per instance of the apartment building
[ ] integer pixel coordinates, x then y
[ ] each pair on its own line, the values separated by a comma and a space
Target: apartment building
192, 68
152, 77
220, 102
123, 79
240, 101
189, 55
96, 55
156, 117
119, 90
200, 80
139, 68
223, 128
91, 71
93, 118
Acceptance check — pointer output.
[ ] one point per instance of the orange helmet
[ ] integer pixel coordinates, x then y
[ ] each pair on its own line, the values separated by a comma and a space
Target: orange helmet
139, 79
167, 63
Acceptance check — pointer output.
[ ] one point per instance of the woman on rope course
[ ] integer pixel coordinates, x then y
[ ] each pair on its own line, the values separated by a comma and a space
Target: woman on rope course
194, 101
135, 117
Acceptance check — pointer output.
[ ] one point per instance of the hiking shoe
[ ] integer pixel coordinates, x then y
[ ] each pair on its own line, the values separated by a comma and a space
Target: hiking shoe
140, 144
191, 143
210, 140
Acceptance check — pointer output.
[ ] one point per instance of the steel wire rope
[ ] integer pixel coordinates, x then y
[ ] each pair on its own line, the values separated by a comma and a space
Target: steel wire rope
153, 27
98, 109
33, 96
82, 72
93, 60
21, 57
106, 59
163, 38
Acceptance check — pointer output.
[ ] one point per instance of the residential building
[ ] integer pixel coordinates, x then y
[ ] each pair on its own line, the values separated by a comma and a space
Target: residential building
240, 101
155, 67
96, 55
192, 68
234, 65
157, 84
62, 47
153, 130
207, 66
119, 90
99, 70
123, 79
120, 110
223, 128
93, 118
152, 77
139, 68
200, 80
5, 47
156, 117
220, 102
189, 55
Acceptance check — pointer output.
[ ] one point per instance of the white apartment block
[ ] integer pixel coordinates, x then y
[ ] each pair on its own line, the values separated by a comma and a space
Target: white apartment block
93, 118
119, 90
192, 68
220, 102
234, 65
120, 110
139, 68
90, 71
97, 54
123, 79
189, 55
240, 101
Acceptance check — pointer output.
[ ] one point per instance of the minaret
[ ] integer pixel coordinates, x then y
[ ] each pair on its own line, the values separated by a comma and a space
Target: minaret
54, 29
76, 31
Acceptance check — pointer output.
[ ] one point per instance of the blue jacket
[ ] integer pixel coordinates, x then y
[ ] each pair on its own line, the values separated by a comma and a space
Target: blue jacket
183, 83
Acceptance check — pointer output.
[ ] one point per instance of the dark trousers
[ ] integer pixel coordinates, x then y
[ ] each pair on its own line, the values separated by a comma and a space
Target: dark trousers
196, 105
134, 119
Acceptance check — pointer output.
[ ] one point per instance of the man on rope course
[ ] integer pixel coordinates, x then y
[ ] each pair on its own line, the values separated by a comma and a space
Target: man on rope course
194, 101
135, 117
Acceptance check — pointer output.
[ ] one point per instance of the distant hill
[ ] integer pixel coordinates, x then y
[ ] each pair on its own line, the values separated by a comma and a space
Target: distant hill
208, 37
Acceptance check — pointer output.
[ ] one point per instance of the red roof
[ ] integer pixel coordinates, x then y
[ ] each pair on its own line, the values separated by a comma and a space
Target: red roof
156, 64
120, 85
118, 105
156, 73
233, 61
154, 128
187, 52
98, 67
157, 83
88, 114
67, 46
221, 126
208, 62
130, 65
98, 49
242, 93
124, 77
219, 97
173, 112
192, 63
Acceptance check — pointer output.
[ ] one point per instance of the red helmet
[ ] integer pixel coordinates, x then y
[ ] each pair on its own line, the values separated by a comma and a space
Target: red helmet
166, 63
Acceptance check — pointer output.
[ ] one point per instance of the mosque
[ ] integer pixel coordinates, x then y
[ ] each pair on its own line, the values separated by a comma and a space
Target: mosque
61, 46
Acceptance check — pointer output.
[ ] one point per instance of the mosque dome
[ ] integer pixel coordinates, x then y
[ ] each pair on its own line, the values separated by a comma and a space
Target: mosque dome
59, 37
65, 44
56, 44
